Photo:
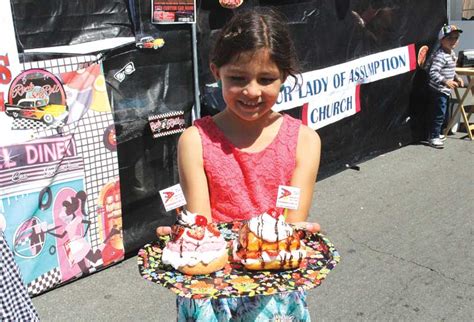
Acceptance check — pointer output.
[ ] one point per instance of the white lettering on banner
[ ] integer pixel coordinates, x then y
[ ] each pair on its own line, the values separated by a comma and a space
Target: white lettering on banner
313, 87
372, 68
331, 84
331, 108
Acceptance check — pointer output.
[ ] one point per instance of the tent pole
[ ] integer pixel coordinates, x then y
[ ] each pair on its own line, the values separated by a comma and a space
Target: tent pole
197, 103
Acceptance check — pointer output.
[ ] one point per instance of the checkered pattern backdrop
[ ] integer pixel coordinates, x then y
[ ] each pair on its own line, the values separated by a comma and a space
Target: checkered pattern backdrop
24, 124
15, 304
100, 162
45, 282
63, 65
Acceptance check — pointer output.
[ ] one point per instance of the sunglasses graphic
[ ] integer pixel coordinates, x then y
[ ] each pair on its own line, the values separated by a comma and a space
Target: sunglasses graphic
126, 70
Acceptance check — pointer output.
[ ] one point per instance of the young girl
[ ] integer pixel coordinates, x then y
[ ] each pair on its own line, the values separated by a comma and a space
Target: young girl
231, 165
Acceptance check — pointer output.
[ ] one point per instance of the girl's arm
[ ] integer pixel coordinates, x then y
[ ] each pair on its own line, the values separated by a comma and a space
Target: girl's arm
192, 177
308, 153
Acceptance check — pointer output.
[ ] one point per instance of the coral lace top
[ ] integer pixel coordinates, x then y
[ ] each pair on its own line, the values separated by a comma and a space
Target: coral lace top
245, 184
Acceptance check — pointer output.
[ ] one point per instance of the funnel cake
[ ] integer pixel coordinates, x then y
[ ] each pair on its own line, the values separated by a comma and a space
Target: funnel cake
267, 242
196, 246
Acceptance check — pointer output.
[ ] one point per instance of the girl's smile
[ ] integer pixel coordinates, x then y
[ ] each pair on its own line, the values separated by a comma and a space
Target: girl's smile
250, 105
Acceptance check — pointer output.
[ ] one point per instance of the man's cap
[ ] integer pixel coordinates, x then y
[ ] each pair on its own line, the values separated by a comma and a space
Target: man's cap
447, 29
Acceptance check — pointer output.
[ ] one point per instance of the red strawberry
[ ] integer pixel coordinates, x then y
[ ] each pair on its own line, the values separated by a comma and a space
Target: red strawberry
197, 233
242, 253
301, 234
252, 254
213, 229
272, 253
201, 221
273, 212
236, 225
176, 231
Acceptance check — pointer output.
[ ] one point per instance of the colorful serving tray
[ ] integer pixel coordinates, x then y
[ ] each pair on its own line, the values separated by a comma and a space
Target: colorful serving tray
234, 280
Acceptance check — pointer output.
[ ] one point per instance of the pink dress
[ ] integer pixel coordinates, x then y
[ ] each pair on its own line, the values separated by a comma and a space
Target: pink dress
242, 184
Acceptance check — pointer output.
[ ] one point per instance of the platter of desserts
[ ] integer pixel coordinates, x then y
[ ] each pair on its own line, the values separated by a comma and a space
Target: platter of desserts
261, 256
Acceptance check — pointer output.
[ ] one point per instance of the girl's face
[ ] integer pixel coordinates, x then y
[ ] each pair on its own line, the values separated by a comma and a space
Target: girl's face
250, 84
450, 41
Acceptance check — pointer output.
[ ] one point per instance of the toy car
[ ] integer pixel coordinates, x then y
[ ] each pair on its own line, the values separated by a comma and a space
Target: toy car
36, 109
150, 42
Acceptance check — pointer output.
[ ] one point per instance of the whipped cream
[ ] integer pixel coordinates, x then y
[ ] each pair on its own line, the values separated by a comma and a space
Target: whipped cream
283, 256
187, 219
190, 251
269, 228
190, 258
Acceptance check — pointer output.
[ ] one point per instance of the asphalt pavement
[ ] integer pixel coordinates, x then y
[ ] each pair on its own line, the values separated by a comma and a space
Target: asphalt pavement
403, 225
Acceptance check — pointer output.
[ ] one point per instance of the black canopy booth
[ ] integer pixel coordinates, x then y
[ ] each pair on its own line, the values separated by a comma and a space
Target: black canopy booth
326, 33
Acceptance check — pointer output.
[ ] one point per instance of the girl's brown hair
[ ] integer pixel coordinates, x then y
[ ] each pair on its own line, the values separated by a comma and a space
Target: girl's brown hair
253, 30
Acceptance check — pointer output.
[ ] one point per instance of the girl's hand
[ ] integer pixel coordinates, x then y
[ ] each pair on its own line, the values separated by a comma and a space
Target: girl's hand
460, 82
163, 230
312, 227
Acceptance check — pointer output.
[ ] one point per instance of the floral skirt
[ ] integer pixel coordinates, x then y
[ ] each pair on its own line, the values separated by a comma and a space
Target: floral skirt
289, 306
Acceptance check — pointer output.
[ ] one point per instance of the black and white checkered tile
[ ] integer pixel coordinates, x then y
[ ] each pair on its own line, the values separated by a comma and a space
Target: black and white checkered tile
100, 164
63, 65
45, 282
15, 304
28, 124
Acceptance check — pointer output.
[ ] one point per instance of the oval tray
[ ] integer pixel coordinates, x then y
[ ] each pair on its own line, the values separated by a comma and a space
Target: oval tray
234, 280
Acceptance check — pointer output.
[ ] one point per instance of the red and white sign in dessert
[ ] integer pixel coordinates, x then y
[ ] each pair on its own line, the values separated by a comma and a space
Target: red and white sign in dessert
172, 197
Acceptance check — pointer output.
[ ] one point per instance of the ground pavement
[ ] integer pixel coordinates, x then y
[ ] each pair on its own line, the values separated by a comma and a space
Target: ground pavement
403, 225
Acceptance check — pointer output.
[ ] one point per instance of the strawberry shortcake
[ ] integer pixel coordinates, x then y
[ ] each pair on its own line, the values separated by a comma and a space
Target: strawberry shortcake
196, 246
